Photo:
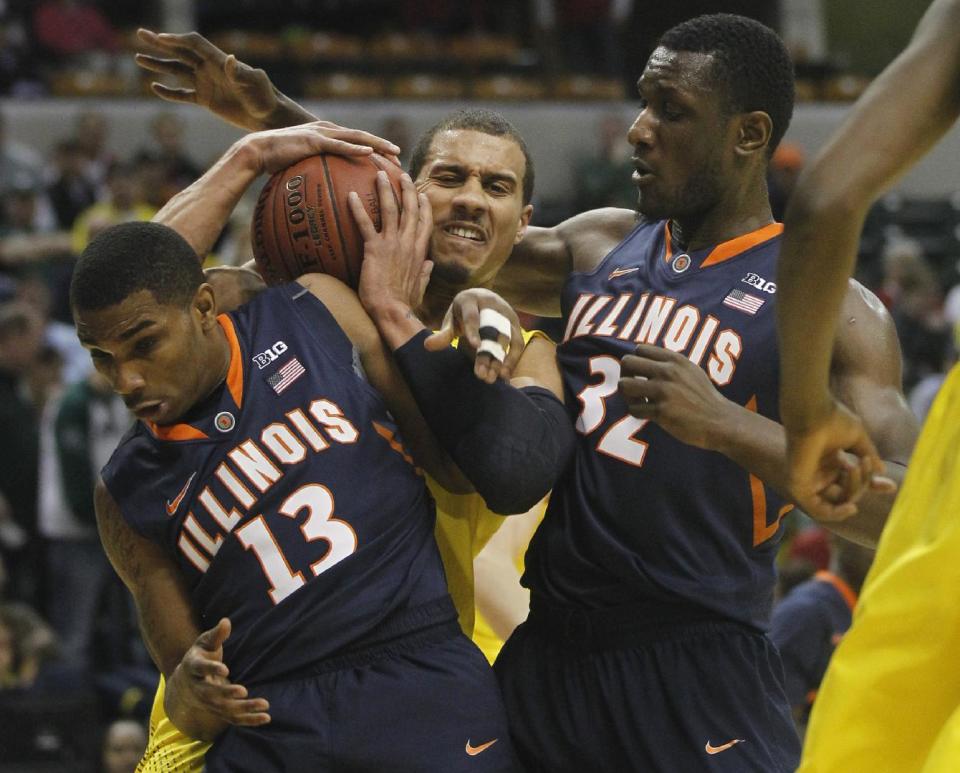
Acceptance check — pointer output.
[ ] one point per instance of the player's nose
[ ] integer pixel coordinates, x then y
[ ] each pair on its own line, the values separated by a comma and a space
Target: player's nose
640, 132
470, 197
127, 379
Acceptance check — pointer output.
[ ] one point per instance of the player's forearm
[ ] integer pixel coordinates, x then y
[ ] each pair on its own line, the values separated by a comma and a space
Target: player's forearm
287, 112
396, 322
200, 211
754, 442
817, 258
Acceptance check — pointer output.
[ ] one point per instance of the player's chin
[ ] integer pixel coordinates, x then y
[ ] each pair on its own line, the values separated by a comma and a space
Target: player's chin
451, 270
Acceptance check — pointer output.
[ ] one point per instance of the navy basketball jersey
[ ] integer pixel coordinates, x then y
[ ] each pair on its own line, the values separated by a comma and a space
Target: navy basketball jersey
807, 625
287, 498
638, 515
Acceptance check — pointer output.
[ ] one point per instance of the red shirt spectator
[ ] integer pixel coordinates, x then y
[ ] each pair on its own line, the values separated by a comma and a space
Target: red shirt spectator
67, 27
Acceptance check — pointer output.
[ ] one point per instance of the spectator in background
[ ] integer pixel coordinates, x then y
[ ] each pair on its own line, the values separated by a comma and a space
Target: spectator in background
603, 179
175, 169
124, 201
90, 132
33, 290
809, 622
78, 432
18, 163
67, 29
28, 229
592, 33
782, 174
27, 643
21, 335
911, 291
123, 746
70, 191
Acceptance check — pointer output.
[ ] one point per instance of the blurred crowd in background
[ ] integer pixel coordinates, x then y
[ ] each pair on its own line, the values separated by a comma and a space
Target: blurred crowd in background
75, 680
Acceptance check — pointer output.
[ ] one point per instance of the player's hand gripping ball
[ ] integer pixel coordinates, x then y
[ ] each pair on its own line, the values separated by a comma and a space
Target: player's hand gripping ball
302, 223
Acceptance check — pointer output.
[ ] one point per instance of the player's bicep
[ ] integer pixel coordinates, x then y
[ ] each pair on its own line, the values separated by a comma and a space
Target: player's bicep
163, 604
867, 374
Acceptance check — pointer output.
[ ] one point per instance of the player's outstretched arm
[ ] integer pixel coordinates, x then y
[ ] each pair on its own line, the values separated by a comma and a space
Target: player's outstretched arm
531, 280
903, 113
200, 211
239, 94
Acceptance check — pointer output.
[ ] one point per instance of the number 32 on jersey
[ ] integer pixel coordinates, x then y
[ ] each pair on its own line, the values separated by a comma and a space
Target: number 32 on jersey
619, 441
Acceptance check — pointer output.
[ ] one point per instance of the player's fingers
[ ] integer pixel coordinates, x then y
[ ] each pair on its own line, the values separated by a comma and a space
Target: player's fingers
881, 484
389, 216
204, 667
424, 225
186, 96
497, 337
360, 216
466, 314
440, 340
359, 137
637, 392
486, 367
213, 638
656, 353
191, 46
640, 365
424, 279
409, 210
163, 66
324, 144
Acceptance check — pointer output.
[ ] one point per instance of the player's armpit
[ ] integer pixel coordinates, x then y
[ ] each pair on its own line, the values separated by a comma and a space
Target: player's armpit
166, 617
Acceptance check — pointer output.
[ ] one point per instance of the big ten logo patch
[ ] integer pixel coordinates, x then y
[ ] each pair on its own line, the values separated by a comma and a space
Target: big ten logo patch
270, 355
755, 280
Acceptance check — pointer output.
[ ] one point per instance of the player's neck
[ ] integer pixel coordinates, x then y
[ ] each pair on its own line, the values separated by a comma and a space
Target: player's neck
741, 211
219, 362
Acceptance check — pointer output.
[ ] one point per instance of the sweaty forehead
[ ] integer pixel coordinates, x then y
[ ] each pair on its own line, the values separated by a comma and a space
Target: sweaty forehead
687, 71
474, 149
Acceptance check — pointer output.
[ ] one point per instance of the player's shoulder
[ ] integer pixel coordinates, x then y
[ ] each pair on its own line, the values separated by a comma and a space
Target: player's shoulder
865, 330
590, 235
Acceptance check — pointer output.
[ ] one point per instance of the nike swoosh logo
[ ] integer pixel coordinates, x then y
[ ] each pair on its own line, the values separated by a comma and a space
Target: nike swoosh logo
710, 749
622, 272
173, 504
473, 751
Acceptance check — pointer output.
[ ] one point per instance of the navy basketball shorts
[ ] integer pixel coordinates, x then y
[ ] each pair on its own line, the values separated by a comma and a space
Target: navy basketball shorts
691, 696
428, 703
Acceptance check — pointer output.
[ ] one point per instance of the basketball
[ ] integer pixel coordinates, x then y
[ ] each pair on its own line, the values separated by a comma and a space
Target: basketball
302, 222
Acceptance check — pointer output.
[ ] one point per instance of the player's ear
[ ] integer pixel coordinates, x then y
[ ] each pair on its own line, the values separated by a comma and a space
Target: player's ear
205, 306
525, 214
754, 132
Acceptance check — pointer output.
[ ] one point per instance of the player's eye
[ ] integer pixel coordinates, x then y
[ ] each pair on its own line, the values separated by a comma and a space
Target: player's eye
145, 345
501, 188
671, 112
99, 355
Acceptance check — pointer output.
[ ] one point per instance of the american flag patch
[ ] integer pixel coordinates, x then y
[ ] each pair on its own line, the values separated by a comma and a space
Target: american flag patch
741, 301
286, 375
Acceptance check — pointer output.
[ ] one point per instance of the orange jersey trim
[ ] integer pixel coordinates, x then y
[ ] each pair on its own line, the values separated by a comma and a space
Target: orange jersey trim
732, 247
235, 374
762, 531
849, 594
176, 432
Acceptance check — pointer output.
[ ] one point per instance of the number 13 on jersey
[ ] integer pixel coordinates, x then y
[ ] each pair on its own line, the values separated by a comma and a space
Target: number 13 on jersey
619, 441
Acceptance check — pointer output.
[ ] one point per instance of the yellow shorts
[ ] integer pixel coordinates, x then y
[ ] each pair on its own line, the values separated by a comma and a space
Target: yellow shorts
169, 750
891, 698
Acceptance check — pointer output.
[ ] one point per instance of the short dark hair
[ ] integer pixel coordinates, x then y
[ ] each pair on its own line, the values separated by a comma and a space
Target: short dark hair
130, 257
751, 64
478, 120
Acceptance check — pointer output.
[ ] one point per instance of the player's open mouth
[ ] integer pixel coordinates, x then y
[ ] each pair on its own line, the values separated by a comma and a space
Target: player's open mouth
643, 172
471, 232
147, 409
